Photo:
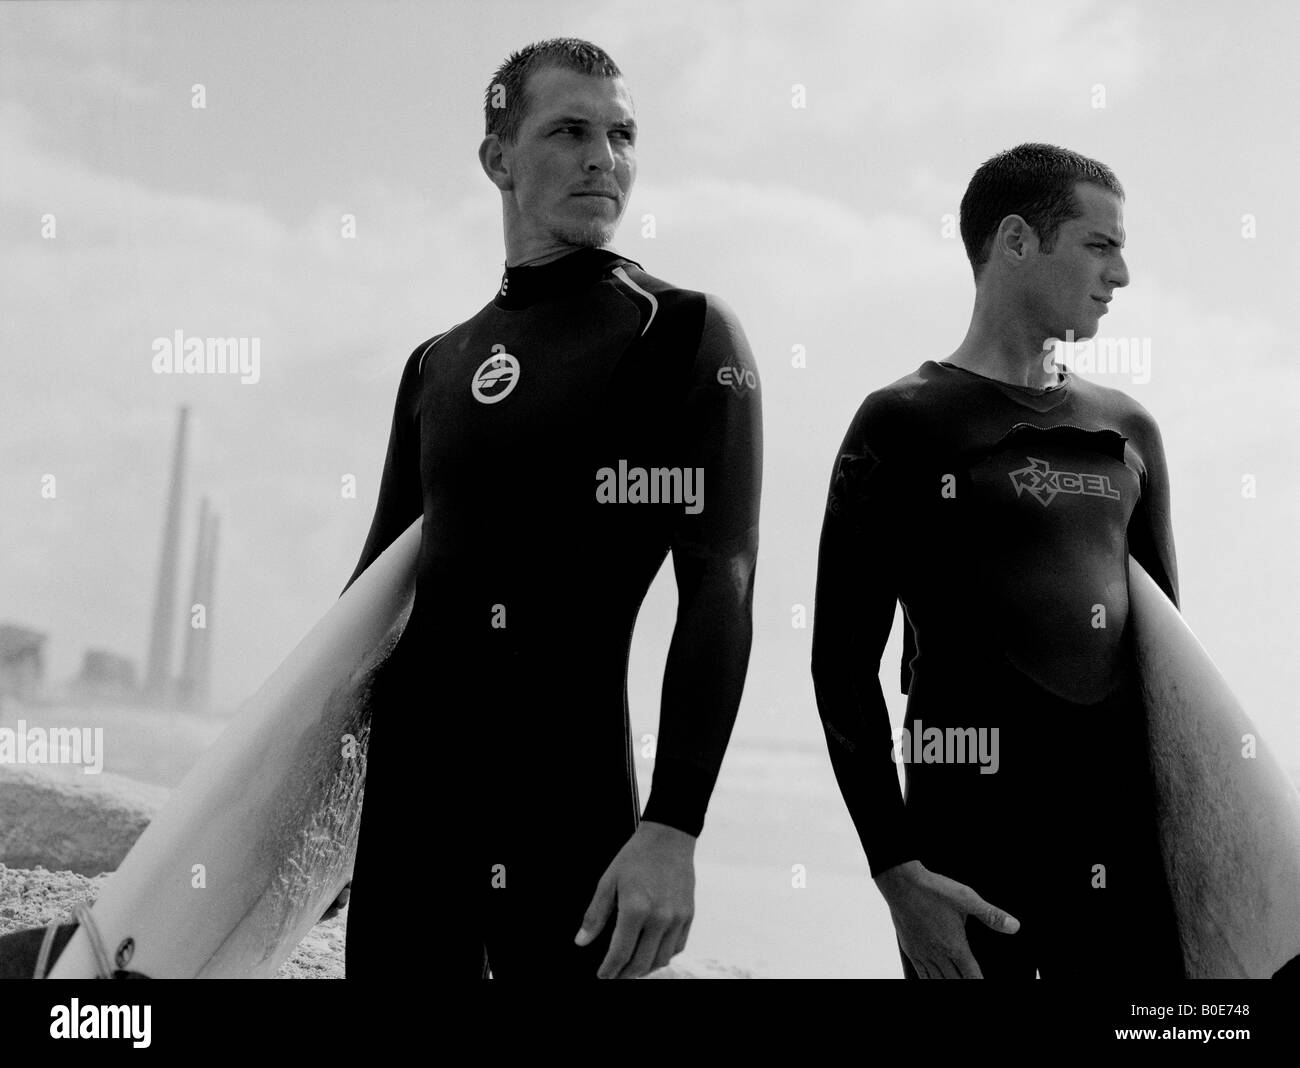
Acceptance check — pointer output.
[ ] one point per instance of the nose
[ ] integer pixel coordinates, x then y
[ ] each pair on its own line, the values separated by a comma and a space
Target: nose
599, 155
1117, 275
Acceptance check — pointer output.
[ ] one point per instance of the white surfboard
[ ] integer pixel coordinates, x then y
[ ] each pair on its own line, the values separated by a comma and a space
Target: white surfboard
1229, 816
260, 836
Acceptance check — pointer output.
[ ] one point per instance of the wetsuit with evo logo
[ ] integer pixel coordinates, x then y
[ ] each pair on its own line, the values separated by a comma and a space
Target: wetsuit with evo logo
558, 446
1002, 517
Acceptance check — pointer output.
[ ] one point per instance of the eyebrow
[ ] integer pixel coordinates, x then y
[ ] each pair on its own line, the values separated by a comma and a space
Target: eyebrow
1107, 238
578, 120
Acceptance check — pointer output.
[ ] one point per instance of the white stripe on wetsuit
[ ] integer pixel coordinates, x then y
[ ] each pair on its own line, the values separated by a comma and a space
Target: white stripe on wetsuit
419, 367
621, 274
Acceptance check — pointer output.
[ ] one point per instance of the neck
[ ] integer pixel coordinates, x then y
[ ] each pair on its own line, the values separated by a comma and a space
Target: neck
1005, 347
525, 248
536, 259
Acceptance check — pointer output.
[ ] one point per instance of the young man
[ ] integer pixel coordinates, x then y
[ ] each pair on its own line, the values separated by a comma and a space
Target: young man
998, 500
558, 445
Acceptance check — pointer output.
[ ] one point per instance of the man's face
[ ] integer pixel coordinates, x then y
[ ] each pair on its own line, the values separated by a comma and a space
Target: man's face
574, 161
1070, 284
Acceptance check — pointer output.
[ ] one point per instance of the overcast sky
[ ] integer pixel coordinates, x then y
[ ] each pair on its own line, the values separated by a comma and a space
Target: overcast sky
823, 226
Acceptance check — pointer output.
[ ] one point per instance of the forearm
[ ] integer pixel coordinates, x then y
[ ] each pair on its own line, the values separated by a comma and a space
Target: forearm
855, 720
703, 682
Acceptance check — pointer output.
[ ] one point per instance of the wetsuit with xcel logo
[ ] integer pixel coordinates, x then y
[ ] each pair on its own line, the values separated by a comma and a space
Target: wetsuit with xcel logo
559, 444
1002, 517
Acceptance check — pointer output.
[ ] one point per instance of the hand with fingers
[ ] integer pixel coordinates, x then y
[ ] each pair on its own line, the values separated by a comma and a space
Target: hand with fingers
650, 885
929, 912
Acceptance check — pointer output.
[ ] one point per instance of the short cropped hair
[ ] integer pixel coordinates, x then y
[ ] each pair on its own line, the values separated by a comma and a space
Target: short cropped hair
1033, 181
505, 104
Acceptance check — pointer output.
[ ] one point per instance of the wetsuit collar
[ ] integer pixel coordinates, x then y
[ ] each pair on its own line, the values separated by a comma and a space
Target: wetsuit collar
524, 286
1042, 398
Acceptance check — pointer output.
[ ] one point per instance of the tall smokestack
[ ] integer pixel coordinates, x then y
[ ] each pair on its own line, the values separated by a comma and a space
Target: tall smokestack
203, 651
194, 637
158, 668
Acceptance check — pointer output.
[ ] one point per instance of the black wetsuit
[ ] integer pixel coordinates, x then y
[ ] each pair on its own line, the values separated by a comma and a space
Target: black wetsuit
1002, 518
500, 753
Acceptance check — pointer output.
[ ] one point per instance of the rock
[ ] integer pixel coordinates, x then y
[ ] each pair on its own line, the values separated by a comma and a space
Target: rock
60, 818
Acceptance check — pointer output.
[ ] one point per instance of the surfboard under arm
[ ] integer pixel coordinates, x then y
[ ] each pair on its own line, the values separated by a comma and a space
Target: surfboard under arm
1228, 814
260, 836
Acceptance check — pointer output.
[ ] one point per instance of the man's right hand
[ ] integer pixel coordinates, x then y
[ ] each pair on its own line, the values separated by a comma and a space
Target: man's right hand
929, 912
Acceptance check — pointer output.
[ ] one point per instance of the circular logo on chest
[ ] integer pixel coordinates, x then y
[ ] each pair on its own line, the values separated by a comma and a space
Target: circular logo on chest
496, 377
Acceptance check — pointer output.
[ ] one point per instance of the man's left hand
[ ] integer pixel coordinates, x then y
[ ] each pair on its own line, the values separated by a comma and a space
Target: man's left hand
652, 884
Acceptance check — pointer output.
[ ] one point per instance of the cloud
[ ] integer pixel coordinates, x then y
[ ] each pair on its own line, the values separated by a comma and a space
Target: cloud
896, 62
800, 242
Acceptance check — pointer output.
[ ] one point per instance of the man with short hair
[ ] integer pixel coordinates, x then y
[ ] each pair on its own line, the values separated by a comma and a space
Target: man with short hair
998, 498
558, 445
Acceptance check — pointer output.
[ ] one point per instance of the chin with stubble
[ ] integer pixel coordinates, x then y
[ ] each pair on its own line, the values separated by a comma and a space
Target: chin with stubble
586, 235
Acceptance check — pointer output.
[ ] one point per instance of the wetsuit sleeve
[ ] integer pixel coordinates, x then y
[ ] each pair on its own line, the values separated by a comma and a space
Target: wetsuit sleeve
853, 614
714, 554
1150, 528
401, 498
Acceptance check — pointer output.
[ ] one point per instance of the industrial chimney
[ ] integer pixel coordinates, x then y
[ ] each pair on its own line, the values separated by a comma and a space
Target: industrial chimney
158, 668
194, 636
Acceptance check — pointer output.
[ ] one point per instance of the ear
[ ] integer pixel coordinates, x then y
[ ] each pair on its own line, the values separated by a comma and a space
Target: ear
1015, 239
494, 158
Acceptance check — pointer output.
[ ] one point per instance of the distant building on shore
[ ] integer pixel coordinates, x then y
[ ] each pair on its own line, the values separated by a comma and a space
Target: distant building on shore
22, 662
105, 676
